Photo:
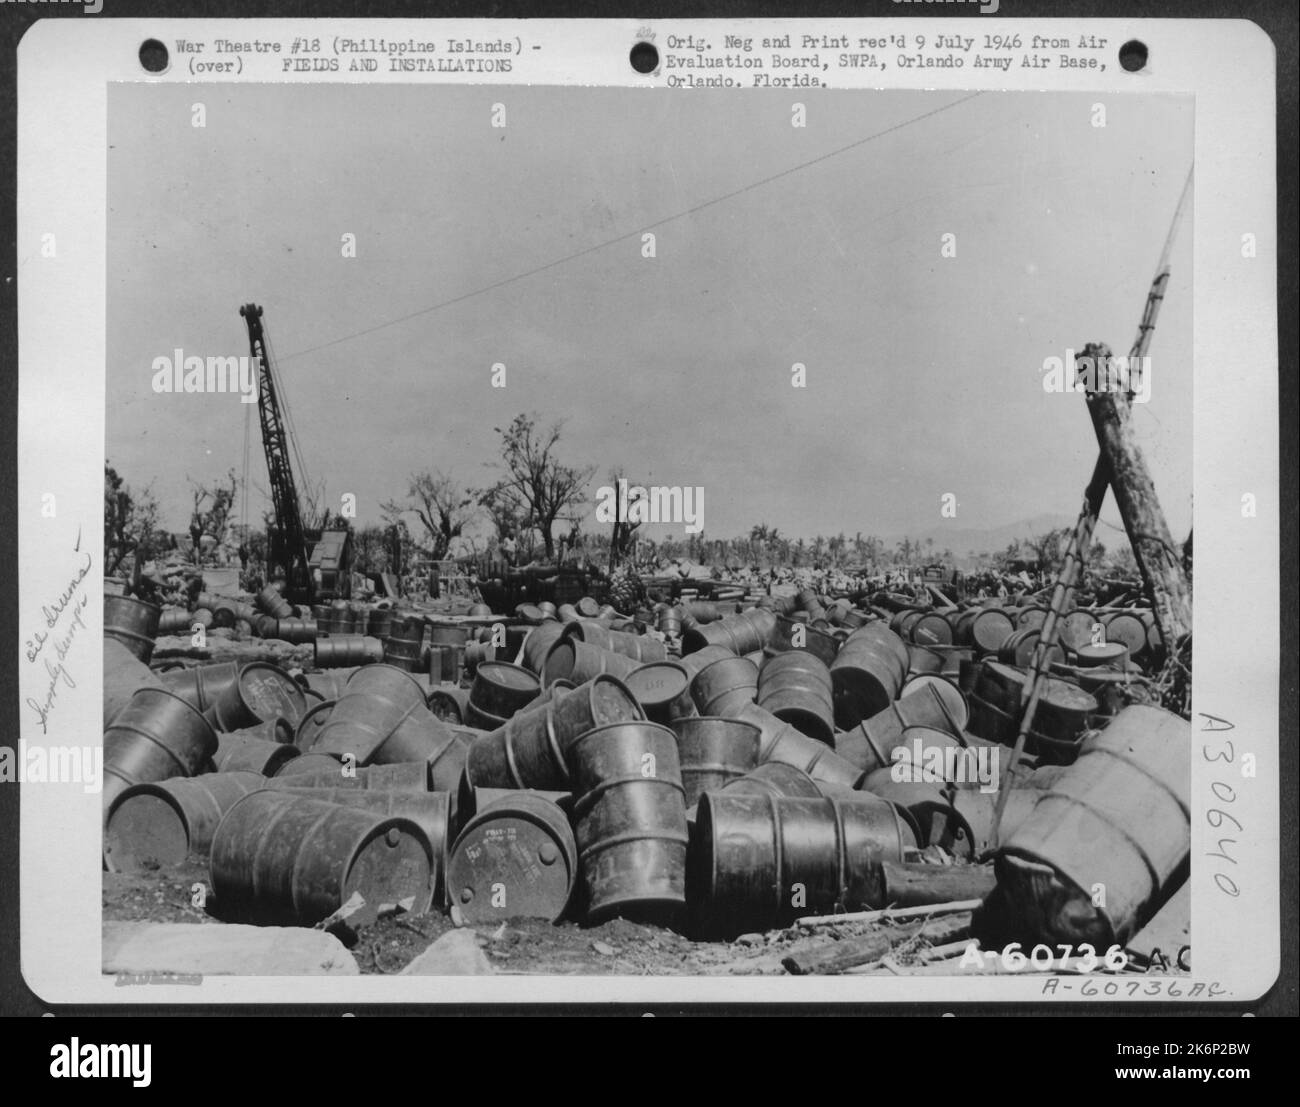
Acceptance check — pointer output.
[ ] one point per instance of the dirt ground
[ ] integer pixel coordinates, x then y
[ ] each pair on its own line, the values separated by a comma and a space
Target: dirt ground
521, 946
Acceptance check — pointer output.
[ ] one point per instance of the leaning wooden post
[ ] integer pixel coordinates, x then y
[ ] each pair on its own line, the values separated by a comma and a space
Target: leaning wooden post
1158, 558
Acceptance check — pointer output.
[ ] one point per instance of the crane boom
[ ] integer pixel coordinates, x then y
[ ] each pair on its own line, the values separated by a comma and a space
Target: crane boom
288, 545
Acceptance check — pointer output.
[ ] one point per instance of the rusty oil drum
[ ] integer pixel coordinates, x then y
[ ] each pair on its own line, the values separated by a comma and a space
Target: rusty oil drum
281, 856
134, 623
174, 620
1020, 645
260, 693
156, 736
499, 690
796, 687
741, 633
539, 641
572, 659
630, 813
297, 631
984, 628
694, 662
781, 742
867, 674
751, 853
725, 686
530, 751
310, 725
432, 812
515, 858
382, 716
318, 770
663, 689
1119, 816
379, 622
271, 602
712, 752
345, 651
246, 752
404, 646
160, 824
774, 778
449, 703
202, 685
790, 635
871, 743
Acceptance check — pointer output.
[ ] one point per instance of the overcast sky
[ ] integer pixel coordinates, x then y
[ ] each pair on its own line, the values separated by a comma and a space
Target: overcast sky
923, 372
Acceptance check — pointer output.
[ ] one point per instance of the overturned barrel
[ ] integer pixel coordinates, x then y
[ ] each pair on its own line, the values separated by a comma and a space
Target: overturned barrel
790, 635
381, 716
741, 633
515, 858
134, 623
572, 659
781, 742
310, 725
317, 770
724, 686
539, 641
271, 602
248, 752
759, 862
984, 628
282, 856
343, 651
1119, 817
499, 690
712, 752
870, 744
796, 687
867, 674
630, 813
774, 778
529, 751
159, 824
260, 693
663, 690
155, 737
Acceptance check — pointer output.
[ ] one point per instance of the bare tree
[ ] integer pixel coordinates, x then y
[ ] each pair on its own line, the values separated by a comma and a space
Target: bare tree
443, 506
534, 477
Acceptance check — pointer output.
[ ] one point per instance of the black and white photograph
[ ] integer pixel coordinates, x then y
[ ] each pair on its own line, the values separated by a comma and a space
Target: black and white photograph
661, 514
554, 533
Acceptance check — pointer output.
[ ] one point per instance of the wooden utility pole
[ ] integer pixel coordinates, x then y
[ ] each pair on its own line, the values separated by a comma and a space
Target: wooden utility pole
1153, 546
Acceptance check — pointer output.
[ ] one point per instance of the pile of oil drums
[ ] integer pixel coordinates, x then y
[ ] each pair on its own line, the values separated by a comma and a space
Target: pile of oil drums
718, 768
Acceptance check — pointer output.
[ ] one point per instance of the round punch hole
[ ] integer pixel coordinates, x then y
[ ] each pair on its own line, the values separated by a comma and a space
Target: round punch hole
644, 57
153, 55
1133, 56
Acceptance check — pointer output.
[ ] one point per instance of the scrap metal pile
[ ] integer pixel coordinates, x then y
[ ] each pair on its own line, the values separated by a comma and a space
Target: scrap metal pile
719, 766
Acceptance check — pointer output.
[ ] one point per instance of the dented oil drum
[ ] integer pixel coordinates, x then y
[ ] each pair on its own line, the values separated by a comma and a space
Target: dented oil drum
712, 752
382, 709
774, 778
694, 662
984, 628
134, 623
280, 856
174, 620
499, 690
432, 812
572, 659
867, 674
781, 742
310, 725
343, 651
742, 633
1118, 817
449, 703
248, 752
790, 635
157, 735
261, 692
871, 743
271, 602
663, 689
317, 770
630, 813
539, 641
724, 686
759, 862
158, 825
795, 686
515, 858
404, 646
530, 750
